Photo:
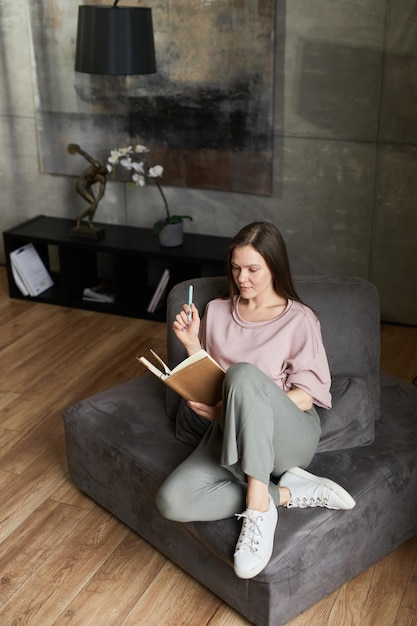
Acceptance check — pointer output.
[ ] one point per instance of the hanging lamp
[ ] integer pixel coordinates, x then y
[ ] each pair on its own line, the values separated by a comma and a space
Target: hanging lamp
115, 40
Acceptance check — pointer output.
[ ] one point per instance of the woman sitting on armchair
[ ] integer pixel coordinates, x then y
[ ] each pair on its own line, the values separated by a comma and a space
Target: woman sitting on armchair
266, 426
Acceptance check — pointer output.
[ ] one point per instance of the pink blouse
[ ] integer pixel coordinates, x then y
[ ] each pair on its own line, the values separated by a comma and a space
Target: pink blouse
288, 348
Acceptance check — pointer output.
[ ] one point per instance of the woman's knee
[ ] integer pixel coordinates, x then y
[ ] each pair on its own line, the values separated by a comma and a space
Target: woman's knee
171, 504
165, 504
240, 374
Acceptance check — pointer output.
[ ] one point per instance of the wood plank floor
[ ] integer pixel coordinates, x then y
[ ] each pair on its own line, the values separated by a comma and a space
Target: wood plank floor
63, 559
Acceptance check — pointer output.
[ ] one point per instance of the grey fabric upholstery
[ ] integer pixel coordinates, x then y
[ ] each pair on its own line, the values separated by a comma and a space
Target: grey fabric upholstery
121, 445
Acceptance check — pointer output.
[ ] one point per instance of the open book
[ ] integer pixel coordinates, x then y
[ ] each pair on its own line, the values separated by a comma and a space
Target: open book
197, 378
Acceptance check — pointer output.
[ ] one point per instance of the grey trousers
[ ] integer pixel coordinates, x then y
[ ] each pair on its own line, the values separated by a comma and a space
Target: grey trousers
262, 433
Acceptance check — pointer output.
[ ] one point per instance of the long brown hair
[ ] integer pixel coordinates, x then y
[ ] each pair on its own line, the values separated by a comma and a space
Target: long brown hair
266, 239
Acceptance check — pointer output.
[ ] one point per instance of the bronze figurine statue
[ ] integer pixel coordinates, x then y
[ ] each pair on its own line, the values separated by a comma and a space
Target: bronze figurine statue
96, 173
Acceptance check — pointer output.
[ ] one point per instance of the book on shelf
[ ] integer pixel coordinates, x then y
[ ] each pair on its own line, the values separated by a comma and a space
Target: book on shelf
99, 293
159, 292
199, 377
29, 272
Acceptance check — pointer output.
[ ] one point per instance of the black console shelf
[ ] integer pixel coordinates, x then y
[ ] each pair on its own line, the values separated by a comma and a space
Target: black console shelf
128, 257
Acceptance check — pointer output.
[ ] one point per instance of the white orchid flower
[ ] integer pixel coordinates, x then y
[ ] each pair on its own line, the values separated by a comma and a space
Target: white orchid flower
156, 171
114, 157
139, 180
127, 163
140, 148
138, 167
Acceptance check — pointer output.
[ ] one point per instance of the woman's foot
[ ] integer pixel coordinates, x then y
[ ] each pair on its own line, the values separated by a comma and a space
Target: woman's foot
256, 541
308, 490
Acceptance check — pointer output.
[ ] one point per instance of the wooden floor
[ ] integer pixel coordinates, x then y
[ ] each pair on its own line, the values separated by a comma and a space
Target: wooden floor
63, 559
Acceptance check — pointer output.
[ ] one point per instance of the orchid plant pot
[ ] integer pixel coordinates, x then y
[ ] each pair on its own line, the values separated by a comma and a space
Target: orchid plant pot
171, 235
170, 230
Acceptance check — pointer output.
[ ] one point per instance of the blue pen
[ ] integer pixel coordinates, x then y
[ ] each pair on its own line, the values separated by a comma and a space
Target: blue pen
190, 301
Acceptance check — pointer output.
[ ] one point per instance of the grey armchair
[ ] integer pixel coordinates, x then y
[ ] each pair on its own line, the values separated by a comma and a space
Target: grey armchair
122, 443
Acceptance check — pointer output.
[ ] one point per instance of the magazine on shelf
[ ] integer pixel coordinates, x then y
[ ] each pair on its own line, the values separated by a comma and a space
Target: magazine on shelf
199, 377
100, 293
29, 271
159, 292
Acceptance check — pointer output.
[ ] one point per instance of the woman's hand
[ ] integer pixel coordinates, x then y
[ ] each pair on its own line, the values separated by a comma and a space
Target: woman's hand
210, 413
187, 331
301, 398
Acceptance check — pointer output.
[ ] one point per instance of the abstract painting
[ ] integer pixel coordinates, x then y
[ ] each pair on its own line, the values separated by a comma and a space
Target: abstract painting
206, 115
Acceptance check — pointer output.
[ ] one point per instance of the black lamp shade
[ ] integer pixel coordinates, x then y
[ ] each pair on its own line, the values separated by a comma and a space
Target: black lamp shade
115, 40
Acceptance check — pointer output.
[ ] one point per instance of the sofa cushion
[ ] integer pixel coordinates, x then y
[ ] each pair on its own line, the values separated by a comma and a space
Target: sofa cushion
347, 424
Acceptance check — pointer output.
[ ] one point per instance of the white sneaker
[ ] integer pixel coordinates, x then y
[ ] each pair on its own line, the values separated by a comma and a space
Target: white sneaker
309, 490
256, 541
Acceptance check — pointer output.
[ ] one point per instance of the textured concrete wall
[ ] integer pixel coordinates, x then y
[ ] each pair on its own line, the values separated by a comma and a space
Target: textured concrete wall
345, 142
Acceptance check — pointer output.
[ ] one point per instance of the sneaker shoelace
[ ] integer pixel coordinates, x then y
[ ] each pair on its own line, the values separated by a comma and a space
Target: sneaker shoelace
250, 533
305, 502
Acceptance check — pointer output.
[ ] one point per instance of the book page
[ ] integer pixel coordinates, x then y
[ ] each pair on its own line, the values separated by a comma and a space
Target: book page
151, 367
194, 358
164, 365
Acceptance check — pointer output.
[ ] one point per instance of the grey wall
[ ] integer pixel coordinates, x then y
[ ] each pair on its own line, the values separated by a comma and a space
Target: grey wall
345, 142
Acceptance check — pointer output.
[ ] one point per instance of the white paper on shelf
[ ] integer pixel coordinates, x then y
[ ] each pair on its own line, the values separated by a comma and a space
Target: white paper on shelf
19, 280
30, 270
